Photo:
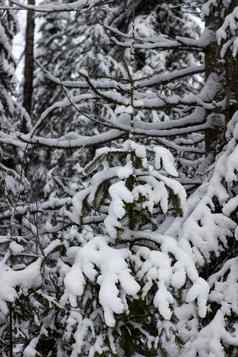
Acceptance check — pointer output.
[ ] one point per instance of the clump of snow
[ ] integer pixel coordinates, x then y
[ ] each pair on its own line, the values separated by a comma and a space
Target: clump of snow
211, 339
120, 195
224, 287
15, 248
164, 159
27, 278
156, 267
30, 350
107, 267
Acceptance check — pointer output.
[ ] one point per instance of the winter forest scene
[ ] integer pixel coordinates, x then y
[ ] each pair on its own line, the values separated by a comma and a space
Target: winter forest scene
118, 178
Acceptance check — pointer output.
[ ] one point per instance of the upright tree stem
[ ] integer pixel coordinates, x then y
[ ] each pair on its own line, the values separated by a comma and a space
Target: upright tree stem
29, 62
10, 332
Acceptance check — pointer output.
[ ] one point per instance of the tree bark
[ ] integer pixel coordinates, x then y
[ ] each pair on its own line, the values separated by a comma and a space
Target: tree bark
227, 70
29, 63
213, 64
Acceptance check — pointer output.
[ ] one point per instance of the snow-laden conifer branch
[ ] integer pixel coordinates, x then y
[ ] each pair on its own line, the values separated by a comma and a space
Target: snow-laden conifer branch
76, 141
108, 84
59, 105
21, 210
11, 140
211, 217
84, 5
163, 42
163, 45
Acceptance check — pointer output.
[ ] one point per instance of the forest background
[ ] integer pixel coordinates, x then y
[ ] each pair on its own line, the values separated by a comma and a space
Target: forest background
118, 179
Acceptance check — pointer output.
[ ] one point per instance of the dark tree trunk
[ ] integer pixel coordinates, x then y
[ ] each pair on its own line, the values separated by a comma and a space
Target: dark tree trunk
213, 65
227, 69
29, 63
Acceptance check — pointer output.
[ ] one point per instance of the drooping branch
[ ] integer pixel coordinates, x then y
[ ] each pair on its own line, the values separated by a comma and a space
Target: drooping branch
110, 83
74, 6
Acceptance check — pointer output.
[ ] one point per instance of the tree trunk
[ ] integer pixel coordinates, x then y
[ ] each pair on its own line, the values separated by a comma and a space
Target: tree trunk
227, 70
213, 64
29, 63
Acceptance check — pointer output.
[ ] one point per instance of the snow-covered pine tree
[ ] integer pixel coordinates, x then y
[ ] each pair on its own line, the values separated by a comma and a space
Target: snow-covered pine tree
126, 275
